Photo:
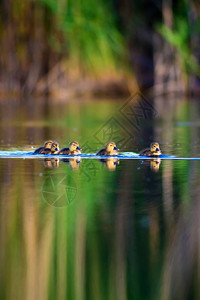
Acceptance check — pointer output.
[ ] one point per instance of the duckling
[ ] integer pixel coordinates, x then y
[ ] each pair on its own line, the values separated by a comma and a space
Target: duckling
73, 149
110, 149
45, 148
154, 150
54, 148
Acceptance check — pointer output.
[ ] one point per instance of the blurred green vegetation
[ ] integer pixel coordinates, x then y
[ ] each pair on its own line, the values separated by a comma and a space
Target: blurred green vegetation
53, 45
89, 32
182, 35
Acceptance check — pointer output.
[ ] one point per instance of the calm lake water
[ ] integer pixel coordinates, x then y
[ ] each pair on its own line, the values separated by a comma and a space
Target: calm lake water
90, 229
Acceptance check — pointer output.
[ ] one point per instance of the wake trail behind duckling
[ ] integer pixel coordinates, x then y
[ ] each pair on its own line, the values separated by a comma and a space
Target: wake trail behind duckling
122, 155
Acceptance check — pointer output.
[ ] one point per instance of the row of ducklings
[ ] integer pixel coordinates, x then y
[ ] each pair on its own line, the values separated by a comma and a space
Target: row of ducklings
52, 147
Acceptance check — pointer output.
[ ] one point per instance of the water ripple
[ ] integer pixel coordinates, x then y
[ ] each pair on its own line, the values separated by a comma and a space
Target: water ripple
122, 155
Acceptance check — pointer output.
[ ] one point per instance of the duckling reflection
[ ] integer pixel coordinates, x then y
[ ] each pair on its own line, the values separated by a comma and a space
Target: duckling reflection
51, 163
110, 163
73, 162
153, 163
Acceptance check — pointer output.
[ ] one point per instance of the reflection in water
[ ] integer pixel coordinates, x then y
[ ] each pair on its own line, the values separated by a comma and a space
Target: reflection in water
110, 163
154, 164
181, 272
74, 163
51, 162
94, 234
58, 189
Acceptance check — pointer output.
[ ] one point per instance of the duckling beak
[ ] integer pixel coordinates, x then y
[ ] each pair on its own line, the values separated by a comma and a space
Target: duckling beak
78, 148
115, 148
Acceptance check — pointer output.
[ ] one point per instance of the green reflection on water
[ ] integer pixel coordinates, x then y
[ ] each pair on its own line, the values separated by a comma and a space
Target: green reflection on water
82, 230
112, 238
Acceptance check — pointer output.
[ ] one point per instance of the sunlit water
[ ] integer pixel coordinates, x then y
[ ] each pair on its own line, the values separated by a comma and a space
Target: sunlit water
122, 155
91, 228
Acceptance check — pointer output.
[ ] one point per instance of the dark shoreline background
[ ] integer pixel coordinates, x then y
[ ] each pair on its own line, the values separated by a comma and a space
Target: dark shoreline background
64, 49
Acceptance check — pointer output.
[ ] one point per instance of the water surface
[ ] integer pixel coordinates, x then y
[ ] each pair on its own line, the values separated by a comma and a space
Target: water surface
83, 228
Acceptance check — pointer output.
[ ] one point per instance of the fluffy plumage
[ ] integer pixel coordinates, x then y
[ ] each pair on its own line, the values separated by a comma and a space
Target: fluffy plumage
110, 149
46, 149
73, 149
154, 150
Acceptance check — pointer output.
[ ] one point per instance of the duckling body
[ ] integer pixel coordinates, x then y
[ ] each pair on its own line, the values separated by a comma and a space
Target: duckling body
110, 149
153, 151
38, 150
46, 149
64, 151
67, 151
73, 149
105, 152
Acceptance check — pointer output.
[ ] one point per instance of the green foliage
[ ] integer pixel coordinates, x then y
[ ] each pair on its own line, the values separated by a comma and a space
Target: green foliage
90, 35
180, 37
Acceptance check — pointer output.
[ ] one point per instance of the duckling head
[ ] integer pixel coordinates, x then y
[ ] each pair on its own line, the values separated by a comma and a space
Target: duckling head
155, 148
48, 144
54, 147
74, 146
111, 146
